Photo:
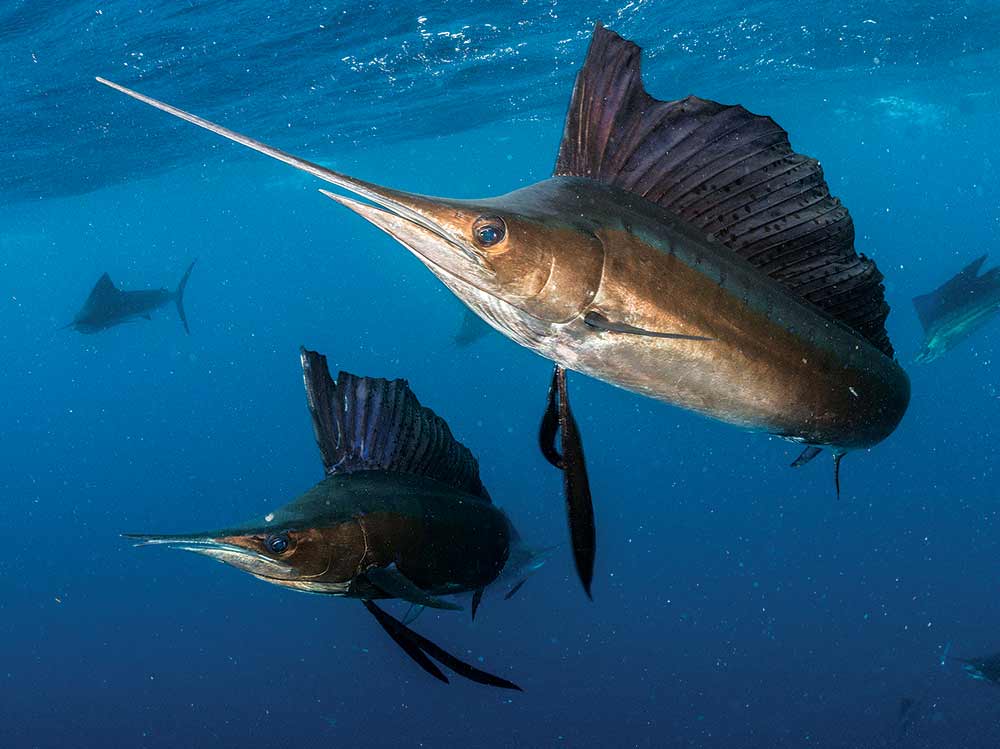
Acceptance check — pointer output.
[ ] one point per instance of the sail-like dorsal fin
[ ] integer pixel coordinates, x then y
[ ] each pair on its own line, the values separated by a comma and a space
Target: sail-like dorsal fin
368, 424
729, 172
103, 288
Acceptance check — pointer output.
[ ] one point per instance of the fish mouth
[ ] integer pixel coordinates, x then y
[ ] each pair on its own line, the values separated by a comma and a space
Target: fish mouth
434, 229
209, 546
410, 220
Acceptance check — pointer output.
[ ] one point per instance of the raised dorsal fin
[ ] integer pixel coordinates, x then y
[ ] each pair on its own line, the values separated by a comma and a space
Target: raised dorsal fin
971, 270
371, 424
729, 172
104, 288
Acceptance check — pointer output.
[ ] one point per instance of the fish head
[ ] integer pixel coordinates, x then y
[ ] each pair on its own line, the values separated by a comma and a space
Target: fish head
515, 248
313, 559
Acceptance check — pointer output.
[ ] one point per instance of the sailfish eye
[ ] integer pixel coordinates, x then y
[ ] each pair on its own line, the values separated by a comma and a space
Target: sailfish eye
489, 230
277, 543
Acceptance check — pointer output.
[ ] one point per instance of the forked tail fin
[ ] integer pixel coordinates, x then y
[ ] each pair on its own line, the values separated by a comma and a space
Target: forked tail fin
179, 296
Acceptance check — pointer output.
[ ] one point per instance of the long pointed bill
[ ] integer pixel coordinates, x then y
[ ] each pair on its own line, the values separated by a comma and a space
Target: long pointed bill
209, 545
412, 219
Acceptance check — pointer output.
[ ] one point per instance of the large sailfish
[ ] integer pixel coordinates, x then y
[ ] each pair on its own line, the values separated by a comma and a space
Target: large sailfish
681, 250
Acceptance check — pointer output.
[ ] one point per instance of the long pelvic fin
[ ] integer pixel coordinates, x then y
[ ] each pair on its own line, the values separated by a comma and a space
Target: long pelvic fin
419, 648
549, 429
558, 419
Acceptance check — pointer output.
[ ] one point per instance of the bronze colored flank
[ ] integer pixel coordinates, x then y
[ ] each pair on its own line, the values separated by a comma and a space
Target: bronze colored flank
681, 250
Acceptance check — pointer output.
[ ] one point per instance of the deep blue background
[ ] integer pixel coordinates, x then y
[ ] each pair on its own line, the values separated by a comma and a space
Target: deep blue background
737, 603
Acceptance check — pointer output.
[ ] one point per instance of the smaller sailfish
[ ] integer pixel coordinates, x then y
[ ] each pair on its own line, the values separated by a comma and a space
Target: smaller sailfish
401, 514
957, 309
108, 306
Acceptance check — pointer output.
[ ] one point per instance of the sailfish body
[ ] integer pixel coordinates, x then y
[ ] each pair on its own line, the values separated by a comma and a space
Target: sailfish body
401, 514
747, 351
681, 250
107, 306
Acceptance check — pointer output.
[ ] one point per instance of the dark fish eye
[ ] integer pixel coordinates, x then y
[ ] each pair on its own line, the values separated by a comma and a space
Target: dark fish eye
277, 543
489, 231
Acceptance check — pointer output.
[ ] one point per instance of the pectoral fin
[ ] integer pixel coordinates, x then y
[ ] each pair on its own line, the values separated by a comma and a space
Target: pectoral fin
419, 648
390, 580
600, 322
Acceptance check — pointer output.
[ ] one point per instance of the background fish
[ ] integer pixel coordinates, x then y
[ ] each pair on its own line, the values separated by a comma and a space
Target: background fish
957, 309
108, 306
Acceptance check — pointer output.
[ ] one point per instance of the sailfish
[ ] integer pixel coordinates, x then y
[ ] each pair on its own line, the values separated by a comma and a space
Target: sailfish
400, 514
957, 309
681, 250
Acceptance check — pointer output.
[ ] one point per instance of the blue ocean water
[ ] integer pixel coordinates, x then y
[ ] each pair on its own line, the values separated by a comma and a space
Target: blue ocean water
737, 602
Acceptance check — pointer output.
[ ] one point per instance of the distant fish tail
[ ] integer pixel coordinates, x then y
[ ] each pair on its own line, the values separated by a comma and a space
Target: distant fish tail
179, 296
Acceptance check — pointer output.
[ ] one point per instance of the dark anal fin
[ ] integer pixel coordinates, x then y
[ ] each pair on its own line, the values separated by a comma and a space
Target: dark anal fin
513, 591
600, 322
806, 455
419, 647
477, 598
576, 484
